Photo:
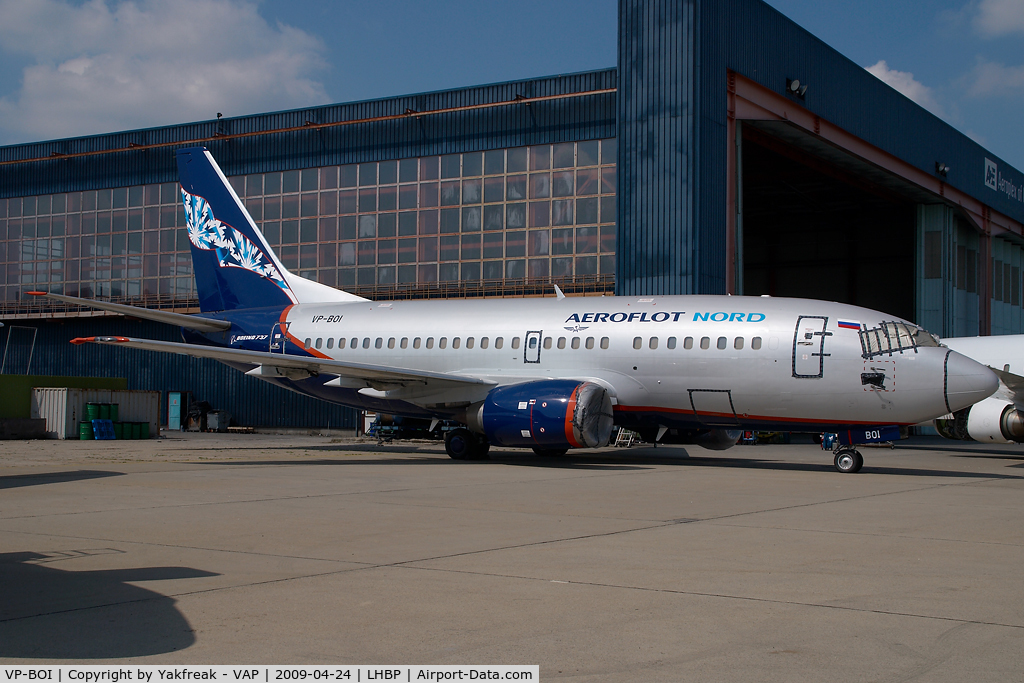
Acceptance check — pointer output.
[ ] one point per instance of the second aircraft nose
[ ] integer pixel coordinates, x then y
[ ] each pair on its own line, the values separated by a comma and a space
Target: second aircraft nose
967, 381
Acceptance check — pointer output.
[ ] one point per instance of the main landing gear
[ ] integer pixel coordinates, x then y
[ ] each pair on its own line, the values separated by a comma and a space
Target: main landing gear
462, 444
848, 460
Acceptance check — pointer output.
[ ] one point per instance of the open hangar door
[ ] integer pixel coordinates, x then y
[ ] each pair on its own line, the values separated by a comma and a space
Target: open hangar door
815, 224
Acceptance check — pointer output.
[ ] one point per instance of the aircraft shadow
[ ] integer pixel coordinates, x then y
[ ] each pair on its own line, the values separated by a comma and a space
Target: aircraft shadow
608, 461
17, 480
50, 613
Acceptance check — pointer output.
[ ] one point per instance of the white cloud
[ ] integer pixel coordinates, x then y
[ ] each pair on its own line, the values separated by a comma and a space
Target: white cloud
1000, 17
905, 83
101, 67
994, 79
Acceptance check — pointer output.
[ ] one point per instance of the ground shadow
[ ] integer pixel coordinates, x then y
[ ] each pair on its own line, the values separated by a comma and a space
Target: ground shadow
51, 613
16, 480
607, 460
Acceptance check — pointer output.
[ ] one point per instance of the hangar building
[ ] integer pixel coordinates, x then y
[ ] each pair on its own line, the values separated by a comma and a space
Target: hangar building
729, 151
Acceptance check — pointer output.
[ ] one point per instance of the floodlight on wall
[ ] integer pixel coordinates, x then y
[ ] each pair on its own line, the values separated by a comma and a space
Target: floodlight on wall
795, 88
941, 168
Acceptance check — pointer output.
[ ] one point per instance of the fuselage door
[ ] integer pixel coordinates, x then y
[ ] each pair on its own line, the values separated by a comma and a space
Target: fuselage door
278, 338
531, 347
809, 346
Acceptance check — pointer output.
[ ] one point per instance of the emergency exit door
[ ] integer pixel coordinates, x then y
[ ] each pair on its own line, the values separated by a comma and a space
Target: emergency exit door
809, 346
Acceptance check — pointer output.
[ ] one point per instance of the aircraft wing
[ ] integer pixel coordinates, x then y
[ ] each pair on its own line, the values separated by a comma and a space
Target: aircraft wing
265, 364
1012, 387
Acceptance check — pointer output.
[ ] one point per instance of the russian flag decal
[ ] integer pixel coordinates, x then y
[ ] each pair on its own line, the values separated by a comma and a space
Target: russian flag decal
849, 324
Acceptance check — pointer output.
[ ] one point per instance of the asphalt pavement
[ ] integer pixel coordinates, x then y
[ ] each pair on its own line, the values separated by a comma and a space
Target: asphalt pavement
641, 564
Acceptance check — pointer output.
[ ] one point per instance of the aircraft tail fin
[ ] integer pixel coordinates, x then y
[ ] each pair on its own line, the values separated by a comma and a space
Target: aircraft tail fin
234, 265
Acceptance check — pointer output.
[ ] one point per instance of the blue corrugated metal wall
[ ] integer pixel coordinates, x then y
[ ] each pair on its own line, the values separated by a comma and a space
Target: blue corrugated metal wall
252, 402
657, 245
577, 118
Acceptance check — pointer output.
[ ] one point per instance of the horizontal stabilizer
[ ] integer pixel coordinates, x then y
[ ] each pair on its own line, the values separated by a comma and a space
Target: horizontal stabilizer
188, 321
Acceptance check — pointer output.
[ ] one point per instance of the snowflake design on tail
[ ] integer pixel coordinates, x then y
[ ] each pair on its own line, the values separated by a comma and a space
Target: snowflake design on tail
234, 250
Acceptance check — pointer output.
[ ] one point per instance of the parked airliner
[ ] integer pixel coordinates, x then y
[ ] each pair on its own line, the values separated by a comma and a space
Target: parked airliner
1000, 417
555, 373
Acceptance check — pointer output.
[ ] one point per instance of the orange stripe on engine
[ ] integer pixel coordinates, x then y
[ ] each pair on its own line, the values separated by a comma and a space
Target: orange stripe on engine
570, 411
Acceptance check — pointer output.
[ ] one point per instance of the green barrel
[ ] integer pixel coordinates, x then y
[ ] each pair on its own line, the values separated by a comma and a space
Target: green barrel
115, 409
136, 430
118, 430
104, 411
85, 431
144, 434
92, 412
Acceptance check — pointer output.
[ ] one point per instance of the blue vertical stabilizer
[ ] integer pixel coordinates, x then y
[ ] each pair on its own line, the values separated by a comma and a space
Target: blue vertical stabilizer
233, 264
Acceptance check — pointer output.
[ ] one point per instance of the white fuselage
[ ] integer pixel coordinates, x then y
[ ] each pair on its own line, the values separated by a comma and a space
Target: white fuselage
698, 360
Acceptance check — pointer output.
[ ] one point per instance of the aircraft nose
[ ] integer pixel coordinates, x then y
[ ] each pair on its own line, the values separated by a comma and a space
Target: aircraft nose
967, 381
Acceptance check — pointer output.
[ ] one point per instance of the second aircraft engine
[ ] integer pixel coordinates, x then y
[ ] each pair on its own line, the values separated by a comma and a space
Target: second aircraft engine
549, 414
993, 420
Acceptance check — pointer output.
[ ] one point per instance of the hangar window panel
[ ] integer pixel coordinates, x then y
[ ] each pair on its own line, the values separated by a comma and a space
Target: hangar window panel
387, 172
407, 196
387, 198
408, 171
563, 155
471, 191
448, 272
472, 163
451, 166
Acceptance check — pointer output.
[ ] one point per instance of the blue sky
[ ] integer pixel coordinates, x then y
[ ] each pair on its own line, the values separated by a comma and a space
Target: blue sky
78, 68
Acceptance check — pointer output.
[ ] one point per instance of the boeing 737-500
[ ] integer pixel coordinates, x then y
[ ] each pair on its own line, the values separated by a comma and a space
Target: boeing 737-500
559, 372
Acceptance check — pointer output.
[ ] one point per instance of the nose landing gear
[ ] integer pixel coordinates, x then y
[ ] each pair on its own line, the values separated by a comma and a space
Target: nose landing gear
848, 460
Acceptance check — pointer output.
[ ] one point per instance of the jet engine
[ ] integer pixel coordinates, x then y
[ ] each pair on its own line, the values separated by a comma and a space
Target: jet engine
548, 414
993, 420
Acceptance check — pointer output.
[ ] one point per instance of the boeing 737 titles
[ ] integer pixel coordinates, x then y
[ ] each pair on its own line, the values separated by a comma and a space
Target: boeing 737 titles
555, 373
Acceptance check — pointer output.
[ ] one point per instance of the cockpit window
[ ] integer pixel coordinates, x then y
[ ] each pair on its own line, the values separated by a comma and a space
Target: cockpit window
895, 337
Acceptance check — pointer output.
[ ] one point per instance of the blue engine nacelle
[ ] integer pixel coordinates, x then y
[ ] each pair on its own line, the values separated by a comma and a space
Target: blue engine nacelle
556, 413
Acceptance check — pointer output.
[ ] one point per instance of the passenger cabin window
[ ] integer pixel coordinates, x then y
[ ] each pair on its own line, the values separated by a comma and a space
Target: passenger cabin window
561, 342
442, 343
484, 341
738, 344
499, 342
547, 342
469, 342
354, 343
416, 343
366, 342
653, 344
688, 343
404, 343
330, 342
515, 342
755, 343
604, 342
430, 342
638, 342
722, 342
391, 343
575, 342
306, 344
319, 342
590, 342
533, 343
705, 343
379, 343
341, 342
670, 343
456, 342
